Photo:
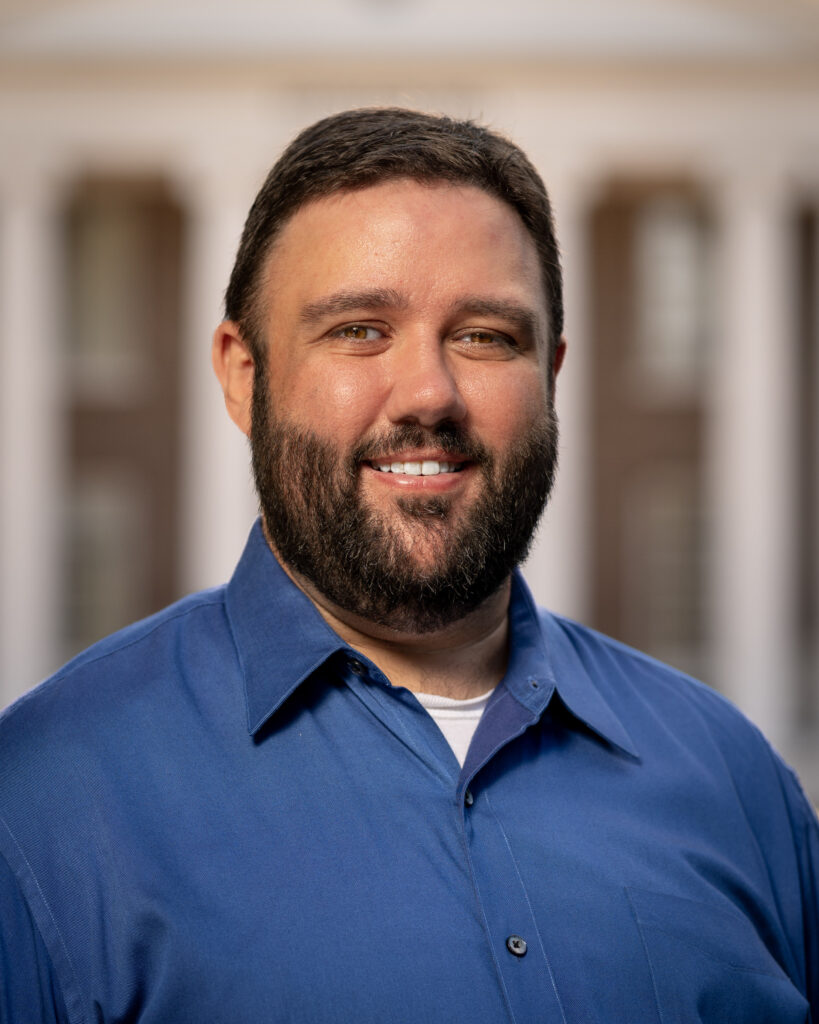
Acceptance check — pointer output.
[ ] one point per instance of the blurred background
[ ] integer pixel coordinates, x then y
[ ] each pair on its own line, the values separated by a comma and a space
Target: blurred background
680, 142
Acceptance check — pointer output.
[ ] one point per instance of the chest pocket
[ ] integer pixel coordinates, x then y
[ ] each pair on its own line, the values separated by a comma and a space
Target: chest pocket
709, 965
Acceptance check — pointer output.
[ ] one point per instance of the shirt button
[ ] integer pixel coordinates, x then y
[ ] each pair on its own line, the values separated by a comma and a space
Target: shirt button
357, 667
516, 945
468, 798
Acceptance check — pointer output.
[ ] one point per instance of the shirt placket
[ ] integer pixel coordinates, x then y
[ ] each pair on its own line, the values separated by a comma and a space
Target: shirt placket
513, 932
522, 963
524, 973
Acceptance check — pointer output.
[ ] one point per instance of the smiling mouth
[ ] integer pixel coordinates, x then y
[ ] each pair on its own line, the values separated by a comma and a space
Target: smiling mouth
425, 467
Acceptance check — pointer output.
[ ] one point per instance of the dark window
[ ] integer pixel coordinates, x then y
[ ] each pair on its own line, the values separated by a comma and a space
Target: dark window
123, 242
651, 338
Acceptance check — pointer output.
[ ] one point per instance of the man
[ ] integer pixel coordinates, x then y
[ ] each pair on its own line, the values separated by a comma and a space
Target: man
367, 780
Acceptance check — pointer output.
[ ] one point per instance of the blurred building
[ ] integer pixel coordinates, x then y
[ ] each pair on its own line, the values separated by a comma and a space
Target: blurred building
680, 142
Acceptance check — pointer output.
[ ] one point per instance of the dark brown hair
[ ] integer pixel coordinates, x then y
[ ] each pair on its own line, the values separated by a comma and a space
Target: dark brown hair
358, 148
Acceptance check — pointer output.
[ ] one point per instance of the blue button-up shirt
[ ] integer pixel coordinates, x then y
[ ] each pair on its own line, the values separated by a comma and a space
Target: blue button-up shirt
223, 814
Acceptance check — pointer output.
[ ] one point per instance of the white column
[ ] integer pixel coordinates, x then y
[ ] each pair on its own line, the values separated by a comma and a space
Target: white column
31, 435
557, 568
815, 406
752, 470
218, 501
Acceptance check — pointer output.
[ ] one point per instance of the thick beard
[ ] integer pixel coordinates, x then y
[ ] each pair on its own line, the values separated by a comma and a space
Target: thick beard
320, 527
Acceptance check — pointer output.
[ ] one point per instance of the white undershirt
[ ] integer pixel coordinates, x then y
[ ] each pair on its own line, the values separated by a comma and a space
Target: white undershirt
457, 719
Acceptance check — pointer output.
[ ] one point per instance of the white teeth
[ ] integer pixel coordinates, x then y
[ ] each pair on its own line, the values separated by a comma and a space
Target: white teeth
426, 468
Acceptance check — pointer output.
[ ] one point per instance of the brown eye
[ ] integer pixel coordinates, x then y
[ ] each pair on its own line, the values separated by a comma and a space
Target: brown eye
358, 332
485, 338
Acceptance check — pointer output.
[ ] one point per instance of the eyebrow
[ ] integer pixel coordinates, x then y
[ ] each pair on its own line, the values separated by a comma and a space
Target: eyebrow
350, 302
522, 317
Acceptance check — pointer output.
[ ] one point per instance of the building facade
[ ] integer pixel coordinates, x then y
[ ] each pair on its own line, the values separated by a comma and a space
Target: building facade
681, 150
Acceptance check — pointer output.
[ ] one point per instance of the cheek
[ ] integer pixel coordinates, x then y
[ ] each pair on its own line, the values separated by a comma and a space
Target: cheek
338, 401
504, 410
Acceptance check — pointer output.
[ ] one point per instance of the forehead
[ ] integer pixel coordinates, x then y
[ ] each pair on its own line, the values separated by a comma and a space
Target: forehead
422, 239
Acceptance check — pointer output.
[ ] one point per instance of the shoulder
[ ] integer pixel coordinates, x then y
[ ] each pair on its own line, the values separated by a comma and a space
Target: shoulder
141, 638
672, 716
80, 750
140, 665
687, 732
633, 681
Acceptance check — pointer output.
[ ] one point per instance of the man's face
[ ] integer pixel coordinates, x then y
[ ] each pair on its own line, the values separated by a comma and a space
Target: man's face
403, 436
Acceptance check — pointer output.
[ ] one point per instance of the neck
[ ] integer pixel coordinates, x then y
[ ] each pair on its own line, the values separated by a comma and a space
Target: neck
465, 658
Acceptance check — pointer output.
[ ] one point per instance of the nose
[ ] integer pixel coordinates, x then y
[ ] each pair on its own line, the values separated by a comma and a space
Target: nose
424, 388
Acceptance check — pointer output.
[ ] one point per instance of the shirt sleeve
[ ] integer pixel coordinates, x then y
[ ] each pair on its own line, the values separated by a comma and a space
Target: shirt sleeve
805, 829
808, 850
29, 989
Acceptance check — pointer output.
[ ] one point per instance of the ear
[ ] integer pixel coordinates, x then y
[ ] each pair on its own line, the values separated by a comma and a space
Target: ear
235, 370
560, 355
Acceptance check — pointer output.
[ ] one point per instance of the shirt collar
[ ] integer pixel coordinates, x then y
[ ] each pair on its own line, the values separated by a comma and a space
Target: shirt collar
542, 653
280, 636
281, 639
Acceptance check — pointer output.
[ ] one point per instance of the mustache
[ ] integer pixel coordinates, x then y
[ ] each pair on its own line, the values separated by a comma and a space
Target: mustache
448, 437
